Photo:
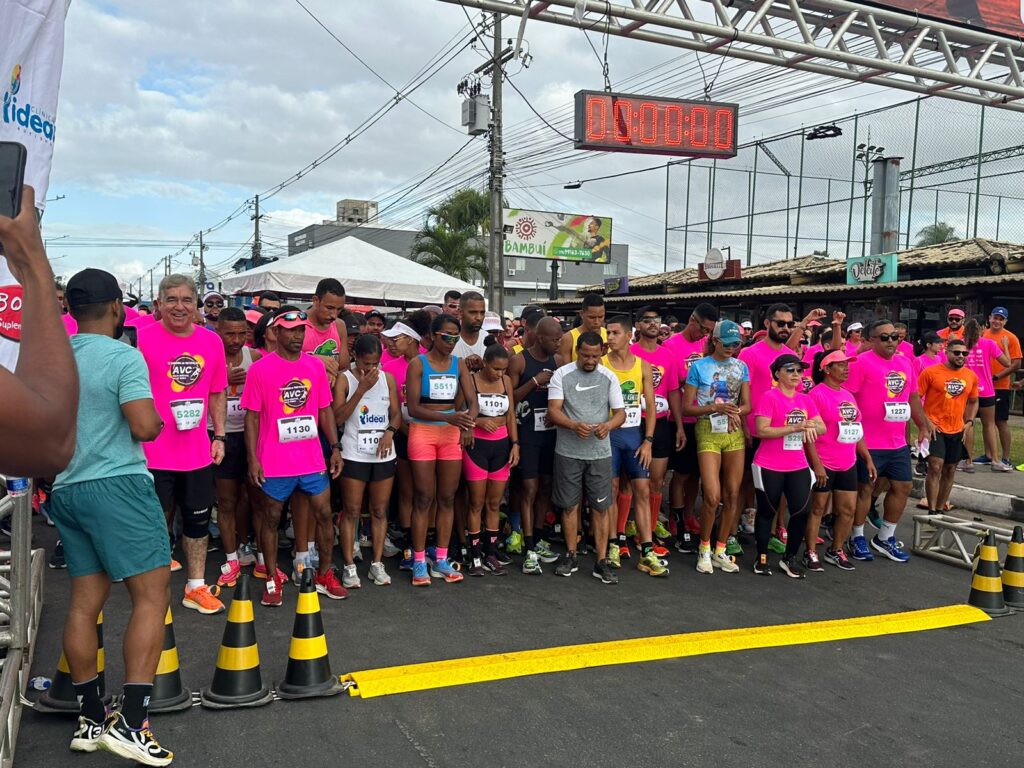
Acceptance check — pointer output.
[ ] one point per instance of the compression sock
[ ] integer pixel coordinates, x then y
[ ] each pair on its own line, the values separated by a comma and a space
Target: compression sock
655, 509
135, 703
474, 546
89, 701
491, 543
622, 505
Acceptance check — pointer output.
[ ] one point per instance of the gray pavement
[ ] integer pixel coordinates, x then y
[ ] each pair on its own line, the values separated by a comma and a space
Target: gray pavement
945, 698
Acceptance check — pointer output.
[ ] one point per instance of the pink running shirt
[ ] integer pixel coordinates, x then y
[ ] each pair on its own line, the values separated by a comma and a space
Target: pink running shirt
326, 342
883, 389
905, 348
979, 360
664, 374
183, 372
759, 358
288, 397
837, 448
685, 353
398, 367
783, 454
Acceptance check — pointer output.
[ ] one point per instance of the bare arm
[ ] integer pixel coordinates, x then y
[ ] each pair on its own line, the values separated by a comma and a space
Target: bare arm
343, 358
143, 420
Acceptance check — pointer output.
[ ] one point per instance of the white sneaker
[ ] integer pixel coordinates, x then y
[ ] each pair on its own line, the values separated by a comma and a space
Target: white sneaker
725, 562
314, 557
87, 735
357, 553
390, 550
747, 521
704, 562
364, 541
349, 578
246, 555
531, 565
378, 575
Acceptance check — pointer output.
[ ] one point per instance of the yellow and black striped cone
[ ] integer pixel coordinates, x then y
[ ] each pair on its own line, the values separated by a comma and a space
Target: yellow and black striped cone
237, 681
169, 695
60, 698
986, 585
1013, 570
309, 669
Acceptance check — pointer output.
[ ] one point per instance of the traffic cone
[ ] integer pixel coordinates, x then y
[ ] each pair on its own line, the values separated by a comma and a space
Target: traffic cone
1013, 570
237, 681
169, 695
986, 586
60, 698
309, 669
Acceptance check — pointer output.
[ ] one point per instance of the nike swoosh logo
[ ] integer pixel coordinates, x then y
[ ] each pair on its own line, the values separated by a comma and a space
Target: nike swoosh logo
584, 389
598, 501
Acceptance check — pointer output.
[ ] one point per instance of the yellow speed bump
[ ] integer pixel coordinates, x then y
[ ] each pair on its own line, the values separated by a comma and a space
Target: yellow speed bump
501, 666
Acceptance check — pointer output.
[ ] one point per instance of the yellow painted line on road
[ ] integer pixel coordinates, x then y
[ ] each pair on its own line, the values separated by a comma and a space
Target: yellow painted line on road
387, 681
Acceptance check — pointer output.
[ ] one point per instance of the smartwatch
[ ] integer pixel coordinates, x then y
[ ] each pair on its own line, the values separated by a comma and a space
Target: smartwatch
220, 438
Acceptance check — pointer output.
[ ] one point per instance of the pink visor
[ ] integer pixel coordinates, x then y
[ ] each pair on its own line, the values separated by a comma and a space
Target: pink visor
838, 356
955, 313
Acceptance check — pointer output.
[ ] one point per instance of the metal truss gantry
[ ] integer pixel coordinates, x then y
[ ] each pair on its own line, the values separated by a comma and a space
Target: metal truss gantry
855, 41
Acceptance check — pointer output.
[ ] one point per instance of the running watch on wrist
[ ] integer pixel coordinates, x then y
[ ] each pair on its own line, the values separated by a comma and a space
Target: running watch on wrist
336, 446
648, 438
391, 428
220, 438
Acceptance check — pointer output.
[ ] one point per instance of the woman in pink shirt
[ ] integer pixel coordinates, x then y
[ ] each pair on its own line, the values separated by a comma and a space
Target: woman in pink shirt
932, 348
981, 353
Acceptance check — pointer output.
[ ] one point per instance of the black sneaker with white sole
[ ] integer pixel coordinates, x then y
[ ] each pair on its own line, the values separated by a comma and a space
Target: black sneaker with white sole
603, 571
761, 566
57, 560
136, 744
87, 735
568, 566
792, 568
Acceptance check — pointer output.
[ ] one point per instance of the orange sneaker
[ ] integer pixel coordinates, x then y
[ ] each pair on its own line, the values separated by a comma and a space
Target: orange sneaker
203, 599
175, 566
659, 551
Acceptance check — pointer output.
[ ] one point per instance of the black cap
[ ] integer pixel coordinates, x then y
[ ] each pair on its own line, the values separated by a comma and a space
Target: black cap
375, 313
351, 325
91, 286
783, 360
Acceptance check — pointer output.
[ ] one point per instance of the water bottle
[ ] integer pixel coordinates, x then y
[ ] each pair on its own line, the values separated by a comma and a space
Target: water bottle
40, 683
18, 486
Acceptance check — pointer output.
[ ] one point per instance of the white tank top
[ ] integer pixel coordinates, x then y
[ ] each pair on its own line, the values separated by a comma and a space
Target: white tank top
236, 414
365, 427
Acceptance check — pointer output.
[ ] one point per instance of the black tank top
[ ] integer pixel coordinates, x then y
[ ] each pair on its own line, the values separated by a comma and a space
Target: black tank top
538, 396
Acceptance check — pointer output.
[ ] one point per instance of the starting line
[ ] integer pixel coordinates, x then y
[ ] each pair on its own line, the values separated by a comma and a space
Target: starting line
387, 681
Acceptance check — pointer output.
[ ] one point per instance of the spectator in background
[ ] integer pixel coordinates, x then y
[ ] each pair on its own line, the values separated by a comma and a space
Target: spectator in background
1002, 375
375, 322
268, 300
39, 400
451, 304
954, 325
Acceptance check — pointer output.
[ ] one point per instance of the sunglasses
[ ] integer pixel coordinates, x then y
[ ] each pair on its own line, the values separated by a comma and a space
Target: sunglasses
290, 316
956, 353
733, 345
792, 369
888, 337
213, 304
785, 323
649, 319
951, 318
449, 338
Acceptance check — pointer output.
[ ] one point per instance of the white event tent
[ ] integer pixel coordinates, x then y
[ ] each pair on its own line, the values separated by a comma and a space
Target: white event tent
369, 274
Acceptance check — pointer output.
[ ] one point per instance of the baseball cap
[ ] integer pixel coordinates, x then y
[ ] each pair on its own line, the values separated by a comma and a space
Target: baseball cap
728, 332
955, 313
211, 294
253, 315
92, 286
747, 324
492, 324
855, 327
784, 360
291, 319
351, 325
400, 329
375, 313
1001, 312
836, 356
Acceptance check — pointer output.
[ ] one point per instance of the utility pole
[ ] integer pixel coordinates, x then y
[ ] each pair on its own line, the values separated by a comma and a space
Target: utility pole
257, 245
202, 266
167, 265
151, 294
496, 275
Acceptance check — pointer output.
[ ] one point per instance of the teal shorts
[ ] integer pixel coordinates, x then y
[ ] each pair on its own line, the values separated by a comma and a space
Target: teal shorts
114, 525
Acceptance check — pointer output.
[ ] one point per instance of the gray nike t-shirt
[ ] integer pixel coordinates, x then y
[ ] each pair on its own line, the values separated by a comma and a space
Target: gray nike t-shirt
586, 397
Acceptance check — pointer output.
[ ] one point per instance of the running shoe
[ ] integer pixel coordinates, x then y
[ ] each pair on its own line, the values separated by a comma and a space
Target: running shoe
57, 560
390, 550
921, 469
329, 586
350, 577
442, 569
652, 565
568, 566
964, 466
203, 599
476, 568
229, 573
687, 543
136, 744
891, 548
259, 571
87, 735
859, 549
661, 532
818, 540
273, 593
776, 545
603, 571
747, 520
247, 556
431, 554
514, 543
314, 558
792, 568
783, 534
531, 565
983, 459
420, 576
624, 553
998, 466
838, 558
761, 566
405, 564
874, 519
630, 528
704, 562
724, 562
357, 552
378, 575
613, 556
812, 562
364, 541
297, 570
176, 566
545, 552
691, 524
503, 557
493, 565
1020, 467
660, 551
732, 547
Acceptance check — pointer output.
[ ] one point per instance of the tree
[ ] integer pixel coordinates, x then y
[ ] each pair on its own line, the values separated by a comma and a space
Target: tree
455, 252
466, 209
936, 234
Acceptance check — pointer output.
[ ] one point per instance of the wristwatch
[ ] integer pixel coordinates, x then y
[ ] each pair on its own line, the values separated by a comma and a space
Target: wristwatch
336, 446
648, 438
220, 438
391, 428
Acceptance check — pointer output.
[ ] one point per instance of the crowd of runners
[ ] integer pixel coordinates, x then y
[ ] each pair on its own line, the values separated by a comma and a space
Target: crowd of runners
449, 444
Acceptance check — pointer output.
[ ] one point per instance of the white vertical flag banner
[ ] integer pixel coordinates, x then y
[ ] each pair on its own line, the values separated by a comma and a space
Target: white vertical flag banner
31, 58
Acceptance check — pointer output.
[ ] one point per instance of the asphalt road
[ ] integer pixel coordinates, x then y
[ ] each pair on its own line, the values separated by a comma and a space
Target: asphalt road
948, 697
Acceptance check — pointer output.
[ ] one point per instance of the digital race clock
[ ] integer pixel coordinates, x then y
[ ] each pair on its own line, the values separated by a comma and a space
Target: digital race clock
623, 122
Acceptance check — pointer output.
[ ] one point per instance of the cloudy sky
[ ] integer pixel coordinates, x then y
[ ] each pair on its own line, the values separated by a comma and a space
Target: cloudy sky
173, 114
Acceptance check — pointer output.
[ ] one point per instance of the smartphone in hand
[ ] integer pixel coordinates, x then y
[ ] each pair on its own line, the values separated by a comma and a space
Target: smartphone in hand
13, 157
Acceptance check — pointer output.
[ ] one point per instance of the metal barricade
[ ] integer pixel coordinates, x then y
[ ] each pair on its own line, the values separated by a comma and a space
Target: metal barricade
21, 605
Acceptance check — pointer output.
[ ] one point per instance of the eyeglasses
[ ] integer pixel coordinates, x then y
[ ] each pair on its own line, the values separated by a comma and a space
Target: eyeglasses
449, 338
785, 323
290, 316
955, 353
888, 337
649, 319
792, 369
213, 304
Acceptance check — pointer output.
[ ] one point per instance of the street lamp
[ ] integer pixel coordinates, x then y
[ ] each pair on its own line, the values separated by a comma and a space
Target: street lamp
867, 154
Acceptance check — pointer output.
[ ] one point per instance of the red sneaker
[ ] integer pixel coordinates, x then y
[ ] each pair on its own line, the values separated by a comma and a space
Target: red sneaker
659, 551
329, 586
273, 593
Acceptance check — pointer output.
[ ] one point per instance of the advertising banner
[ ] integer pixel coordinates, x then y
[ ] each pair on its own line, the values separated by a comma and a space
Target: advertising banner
998, 16
562, 236
871, 269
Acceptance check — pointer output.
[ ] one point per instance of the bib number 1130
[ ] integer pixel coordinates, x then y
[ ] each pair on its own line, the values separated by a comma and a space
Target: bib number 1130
296, 428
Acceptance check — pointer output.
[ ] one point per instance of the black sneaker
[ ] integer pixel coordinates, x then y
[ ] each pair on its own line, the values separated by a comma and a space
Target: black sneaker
134, 744
792, 568
568, 566
603, 571
761, 567
494, 565
838, 558
503, 557
87, 735
475, 568
686, 544
57, 560
813, 563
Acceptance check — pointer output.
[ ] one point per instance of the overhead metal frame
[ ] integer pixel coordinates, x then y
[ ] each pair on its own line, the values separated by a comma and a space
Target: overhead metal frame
849, 40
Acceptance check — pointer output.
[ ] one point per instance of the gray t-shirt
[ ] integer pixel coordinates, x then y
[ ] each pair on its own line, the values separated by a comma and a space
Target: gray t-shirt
586, 397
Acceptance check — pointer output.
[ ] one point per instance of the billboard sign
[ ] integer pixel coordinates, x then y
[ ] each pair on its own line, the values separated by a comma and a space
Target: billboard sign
1002, 17
868, 270
561, 236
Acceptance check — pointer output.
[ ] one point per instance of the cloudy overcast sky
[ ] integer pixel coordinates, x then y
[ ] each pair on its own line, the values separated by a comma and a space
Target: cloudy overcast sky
173, 114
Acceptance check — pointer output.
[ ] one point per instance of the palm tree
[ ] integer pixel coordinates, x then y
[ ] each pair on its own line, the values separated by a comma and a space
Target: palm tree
455, 252
936, 234
466, 209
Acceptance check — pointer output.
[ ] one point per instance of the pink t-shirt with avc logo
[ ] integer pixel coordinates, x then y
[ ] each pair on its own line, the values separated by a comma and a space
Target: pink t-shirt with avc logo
288, 397
686, 353
883, 389
759, 358
783, 454
979, 360
838, 408
665, 374
183, 372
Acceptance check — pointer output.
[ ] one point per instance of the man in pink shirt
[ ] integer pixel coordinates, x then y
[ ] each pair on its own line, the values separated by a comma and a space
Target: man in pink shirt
189, 376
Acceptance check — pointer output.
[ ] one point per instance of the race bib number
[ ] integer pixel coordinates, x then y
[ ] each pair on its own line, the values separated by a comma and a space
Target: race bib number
660, 405
540, 420
850, 432
897, 411
492, 405
368, 440
236, 414
296, 428
719, 423
442, 386
632, 416
187, 414
793, 442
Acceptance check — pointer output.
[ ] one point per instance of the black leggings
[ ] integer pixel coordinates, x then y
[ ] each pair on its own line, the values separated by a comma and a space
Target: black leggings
770, 486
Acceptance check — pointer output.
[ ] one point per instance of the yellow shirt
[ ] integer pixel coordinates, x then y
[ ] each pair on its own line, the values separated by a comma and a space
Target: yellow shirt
575, 333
